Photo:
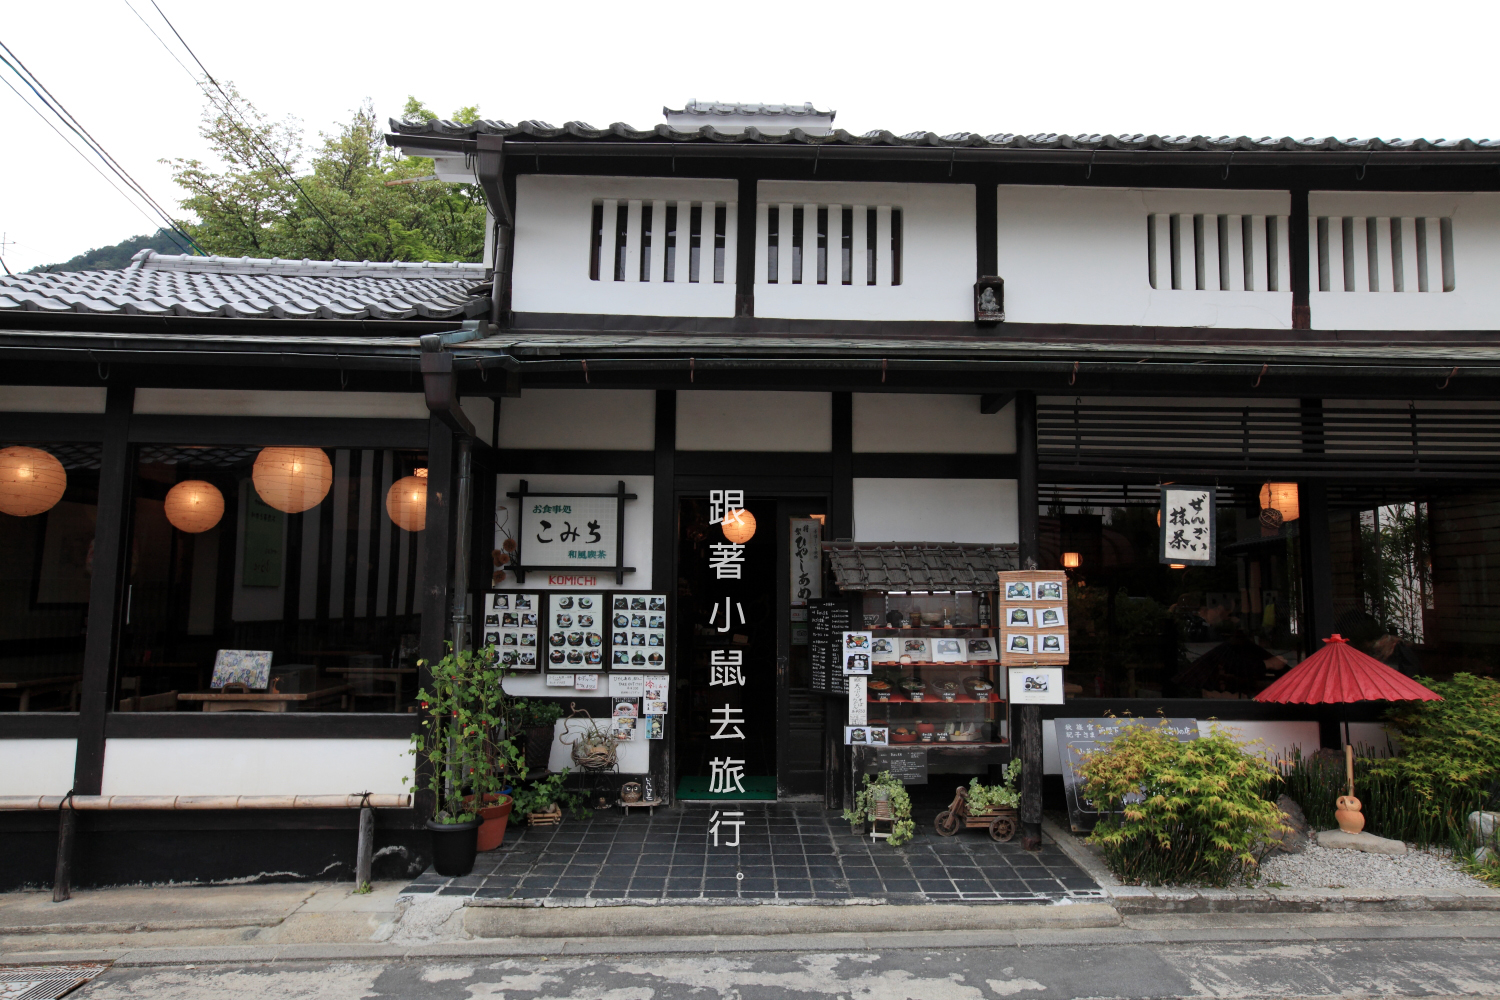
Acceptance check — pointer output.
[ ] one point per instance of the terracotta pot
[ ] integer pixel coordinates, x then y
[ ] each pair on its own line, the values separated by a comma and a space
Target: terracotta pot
1348, 814
493, 819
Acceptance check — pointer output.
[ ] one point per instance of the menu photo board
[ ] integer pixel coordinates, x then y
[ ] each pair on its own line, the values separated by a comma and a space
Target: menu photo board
1033, 617
575, 631
511, 625
638, 631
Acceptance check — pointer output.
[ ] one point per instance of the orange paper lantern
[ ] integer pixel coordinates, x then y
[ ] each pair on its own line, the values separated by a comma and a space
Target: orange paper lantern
739, 526
406, 501
292, 479
194, 506
1072, 560
1281, 497
31, 481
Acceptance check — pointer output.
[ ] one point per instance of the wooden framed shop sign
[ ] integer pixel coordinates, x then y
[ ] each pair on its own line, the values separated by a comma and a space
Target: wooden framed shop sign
1033, 618
569, 532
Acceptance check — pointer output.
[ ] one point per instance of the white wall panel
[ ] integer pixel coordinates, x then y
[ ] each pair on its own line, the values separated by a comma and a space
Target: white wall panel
712, 420
580, 419
948, 424
51, 399
1078, 255
280, 403
935, 510
37, 767
255, 767
552, 240
638, 528
1474, 303
937, 257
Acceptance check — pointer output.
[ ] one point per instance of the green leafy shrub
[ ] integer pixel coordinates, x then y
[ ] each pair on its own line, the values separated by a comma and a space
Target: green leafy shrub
1181, 812
461, 746
883, 785
983, 798
539, 796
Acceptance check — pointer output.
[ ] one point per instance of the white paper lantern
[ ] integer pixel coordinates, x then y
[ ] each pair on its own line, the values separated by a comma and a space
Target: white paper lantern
406, 501
739, 527
31, 481
292, 479
194, 506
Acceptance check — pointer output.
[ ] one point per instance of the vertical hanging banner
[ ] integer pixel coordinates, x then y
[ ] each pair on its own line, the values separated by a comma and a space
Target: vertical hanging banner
807, 559
727, 722
1189, 525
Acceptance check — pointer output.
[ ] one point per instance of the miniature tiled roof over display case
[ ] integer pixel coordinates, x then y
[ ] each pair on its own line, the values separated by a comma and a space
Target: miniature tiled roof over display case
242, 287
908, 566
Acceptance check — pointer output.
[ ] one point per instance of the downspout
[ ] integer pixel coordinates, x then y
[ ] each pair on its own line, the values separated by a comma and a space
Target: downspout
489, 171
440, 388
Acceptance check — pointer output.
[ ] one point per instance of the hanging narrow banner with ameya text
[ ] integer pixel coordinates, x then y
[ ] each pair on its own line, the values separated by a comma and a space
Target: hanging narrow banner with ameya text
1189, 525
807, 559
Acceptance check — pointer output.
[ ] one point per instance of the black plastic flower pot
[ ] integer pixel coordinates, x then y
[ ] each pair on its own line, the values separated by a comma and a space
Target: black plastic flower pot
454, 846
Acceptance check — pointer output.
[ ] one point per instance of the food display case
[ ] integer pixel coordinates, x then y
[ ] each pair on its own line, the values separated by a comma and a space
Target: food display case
935, 670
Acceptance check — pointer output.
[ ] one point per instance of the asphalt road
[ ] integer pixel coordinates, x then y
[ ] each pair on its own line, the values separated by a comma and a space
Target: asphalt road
1354, 968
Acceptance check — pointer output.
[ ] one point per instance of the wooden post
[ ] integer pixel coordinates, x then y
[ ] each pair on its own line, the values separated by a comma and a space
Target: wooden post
67, 826
366, 849
1029, 740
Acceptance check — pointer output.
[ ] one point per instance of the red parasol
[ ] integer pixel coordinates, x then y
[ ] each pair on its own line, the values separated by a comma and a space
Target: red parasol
1337, 674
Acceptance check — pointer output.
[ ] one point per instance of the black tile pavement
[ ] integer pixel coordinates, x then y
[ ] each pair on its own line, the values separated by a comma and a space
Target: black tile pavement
787, 851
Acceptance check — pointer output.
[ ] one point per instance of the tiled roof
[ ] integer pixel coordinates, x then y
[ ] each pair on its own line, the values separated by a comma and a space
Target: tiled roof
918, 566
725, 108
164, 285
535, 130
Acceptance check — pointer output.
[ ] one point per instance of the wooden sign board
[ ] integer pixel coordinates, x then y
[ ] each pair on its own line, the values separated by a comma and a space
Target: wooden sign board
1032, 618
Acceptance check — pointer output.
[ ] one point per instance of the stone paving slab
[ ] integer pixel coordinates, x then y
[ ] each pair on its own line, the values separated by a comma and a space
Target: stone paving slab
786, 853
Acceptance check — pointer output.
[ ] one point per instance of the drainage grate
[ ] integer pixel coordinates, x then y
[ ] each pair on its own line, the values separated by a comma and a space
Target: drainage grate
45, 982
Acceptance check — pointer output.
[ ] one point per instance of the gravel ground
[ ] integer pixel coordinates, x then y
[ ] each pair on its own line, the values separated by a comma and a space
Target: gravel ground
1322, 868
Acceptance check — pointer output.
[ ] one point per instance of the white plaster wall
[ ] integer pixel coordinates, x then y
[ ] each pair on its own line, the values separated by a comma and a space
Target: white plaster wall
51, 399
255, 767
552, 240
37, 767
943, 424
580, 419
481, 413
937, 254
638, 527
280, 403
1474, 304
711, 420
935, 510
1078, 255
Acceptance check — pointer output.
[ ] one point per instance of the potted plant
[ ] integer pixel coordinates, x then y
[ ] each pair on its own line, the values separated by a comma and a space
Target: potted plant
459, 749
537, 720
883, 797
542, 800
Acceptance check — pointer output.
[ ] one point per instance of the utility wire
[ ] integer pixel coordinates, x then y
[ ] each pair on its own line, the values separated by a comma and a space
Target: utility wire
245, 130
171, 233
35, 85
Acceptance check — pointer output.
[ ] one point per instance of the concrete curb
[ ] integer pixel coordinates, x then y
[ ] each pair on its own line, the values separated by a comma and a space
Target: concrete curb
1136, 899
515, 947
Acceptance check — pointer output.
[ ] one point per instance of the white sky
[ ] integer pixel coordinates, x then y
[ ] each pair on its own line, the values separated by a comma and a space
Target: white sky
1311, 67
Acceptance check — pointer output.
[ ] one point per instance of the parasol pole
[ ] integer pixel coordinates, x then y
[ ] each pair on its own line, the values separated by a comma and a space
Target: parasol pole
1349, 764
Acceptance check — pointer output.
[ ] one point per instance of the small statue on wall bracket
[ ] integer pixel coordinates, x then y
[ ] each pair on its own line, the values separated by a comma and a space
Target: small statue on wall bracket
989, 300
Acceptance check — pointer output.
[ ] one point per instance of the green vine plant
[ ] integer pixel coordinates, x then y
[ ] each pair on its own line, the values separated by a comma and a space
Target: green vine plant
542, 794
884, 786
984, 798
463, 740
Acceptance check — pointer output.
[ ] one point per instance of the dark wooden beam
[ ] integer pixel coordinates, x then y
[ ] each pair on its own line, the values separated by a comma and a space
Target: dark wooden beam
1297, 235
107, 598
744, 250
664, 564
841, 468
436, 546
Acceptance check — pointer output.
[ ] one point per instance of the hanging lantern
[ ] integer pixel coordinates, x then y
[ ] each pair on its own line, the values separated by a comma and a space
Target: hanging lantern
1072, 560
406, 501
292, 479
31, 481
194, 506
1280, 497
739, 526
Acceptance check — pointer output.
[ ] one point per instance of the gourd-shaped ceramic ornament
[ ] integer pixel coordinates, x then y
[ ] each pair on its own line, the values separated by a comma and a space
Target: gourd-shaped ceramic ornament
1347, 813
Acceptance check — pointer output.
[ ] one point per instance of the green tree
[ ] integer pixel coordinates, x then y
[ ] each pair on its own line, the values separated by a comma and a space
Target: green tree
355, 198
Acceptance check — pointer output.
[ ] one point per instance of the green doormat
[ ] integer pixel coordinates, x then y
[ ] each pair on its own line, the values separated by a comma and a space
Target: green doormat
696, 789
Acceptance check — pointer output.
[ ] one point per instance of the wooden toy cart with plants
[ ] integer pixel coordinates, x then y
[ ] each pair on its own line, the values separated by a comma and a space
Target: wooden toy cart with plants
988, 807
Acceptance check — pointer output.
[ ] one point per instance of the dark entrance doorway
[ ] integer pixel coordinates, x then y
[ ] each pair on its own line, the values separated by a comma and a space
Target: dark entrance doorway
737, 667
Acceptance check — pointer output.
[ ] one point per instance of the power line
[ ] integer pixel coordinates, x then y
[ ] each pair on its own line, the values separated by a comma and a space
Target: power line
94, 166
245, 130
35, 85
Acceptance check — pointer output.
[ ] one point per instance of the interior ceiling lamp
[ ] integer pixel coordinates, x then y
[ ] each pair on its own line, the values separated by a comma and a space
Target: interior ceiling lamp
406, 501
31, 481
194, 506
1282, 498
739, 526
1072, 560
1177, 566
292, 479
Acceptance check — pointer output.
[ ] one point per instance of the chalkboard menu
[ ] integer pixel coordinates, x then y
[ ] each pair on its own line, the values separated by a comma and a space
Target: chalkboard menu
1078, 737
827, 621
906, 764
